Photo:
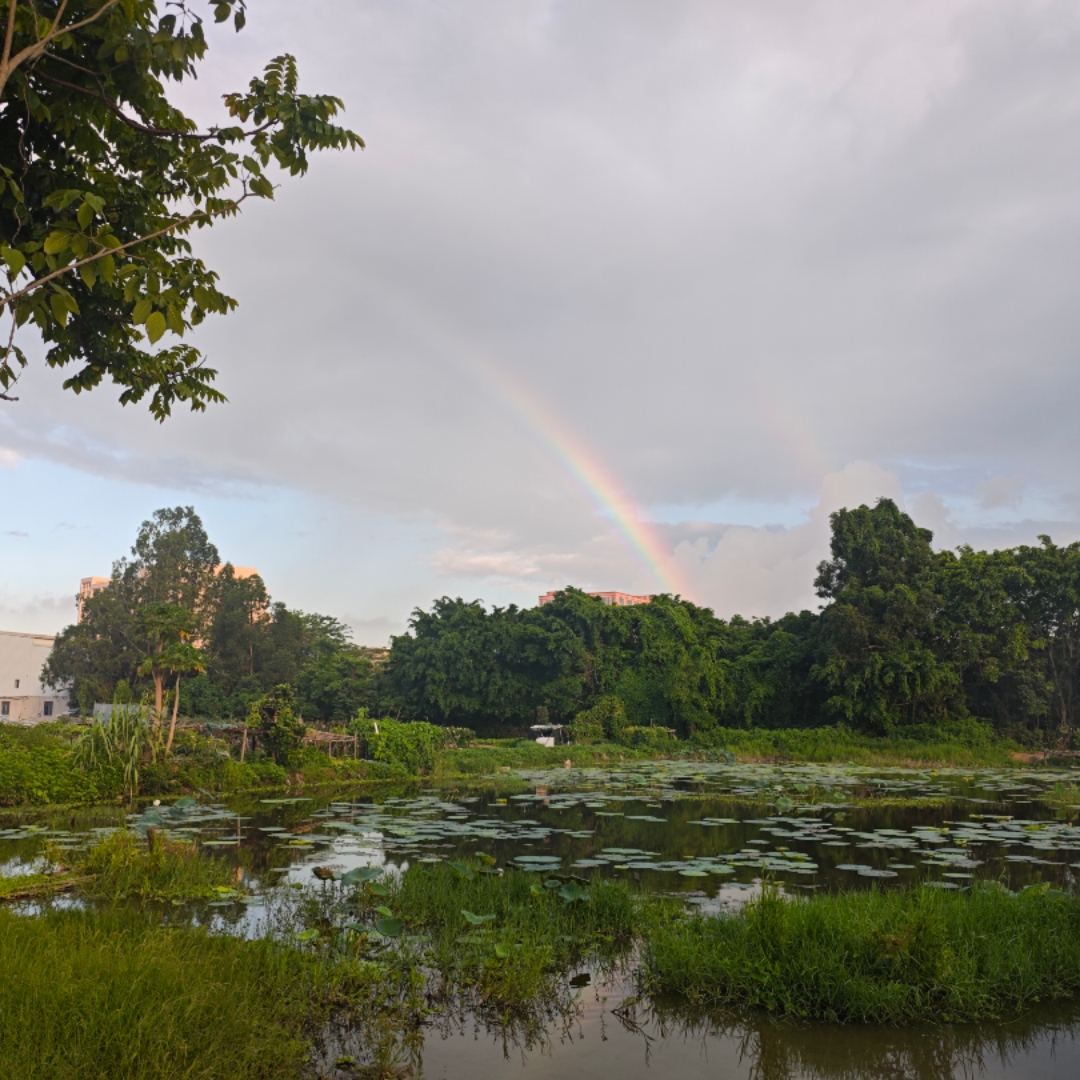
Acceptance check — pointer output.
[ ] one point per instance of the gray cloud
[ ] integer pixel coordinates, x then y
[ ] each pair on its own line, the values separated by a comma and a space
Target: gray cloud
740, 251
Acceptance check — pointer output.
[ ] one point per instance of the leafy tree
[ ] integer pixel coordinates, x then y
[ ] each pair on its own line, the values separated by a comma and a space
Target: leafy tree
881, 664
333, 687
103, 179
167, 627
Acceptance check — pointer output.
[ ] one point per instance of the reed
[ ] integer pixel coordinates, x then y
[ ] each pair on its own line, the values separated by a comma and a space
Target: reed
894, 957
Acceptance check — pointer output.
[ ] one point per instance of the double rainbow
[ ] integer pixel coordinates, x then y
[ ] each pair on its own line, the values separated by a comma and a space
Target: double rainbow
592, 476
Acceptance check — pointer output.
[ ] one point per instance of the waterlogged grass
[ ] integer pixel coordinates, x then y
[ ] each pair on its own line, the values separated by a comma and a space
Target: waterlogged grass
972, 744
892, 957
126, 865
501, 754
111, 996
508, 938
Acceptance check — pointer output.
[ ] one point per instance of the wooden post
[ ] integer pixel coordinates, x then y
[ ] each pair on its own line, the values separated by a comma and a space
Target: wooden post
243, 745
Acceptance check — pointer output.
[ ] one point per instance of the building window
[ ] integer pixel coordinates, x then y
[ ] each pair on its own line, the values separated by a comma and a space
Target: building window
48, 708
16, 684
5, 708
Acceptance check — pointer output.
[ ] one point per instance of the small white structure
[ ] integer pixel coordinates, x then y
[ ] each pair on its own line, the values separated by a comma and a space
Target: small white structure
23, 697
547, 734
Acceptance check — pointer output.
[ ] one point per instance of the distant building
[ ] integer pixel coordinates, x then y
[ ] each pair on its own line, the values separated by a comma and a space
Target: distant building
87, 587
90, 585
23, 697
618, 599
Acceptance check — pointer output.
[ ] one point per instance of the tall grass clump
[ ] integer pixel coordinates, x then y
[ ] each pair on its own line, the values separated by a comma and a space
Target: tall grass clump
125, 864
886, 957
509, 938
111, 996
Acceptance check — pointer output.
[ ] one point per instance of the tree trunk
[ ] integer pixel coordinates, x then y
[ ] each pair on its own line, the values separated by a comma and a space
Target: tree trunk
159, 695
175, 710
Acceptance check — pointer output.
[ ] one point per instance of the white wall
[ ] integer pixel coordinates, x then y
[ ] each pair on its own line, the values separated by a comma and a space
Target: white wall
21, 659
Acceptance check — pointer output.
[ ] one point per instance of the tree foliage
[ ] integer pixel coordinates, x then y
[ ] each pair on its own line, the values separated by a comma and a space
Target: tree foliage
103, 180
172, 611
907, 637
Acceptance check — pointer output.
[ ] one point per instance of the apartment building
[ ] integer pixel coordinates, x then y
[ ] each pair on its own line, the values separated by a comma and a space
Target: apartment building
618, 599
23, 697
90, 585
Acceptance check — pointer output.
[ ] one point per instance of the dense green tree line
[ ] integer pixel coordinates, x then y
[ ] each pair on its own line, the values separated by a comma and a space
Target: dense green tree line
906, 637
173, 593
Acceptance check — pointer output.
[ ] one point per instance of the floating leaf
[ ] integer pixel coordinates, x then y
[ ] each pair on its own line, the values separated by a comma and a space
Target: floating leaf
476, 920
390, 928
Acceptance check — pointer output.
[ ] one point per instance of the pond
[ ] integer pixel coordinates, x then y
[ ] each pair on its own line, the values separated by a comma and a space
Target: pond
708, 833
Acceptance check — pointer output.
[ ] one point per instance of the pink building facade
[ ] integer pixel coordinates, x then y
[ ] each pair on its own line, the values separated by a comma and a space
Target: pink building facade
616, 599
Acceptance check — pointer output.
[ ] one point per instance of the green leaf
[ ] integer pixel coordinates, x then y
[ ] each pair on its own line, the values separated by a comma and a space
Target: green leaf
88, 274
262, 187
361, 875
463, 870
95, 202
377, 889
390, 928
121, 54
501, 951
59, 308
155, 326
107, 267
307, 935
56, 242
476, 920
175, 320
84, 215
15, 260
221, 12
385, 912
572, 892
141, 311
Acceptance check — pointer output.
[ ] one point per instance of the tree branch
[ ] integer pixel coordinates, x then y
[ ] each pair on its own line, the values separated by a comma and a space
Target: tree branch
134, 124
5, 301
9, 63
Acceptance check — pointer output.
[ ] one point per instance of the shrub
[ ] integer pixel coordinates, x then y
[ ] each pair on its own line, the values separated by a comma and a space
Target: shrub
649, 738
605, 720
411, 745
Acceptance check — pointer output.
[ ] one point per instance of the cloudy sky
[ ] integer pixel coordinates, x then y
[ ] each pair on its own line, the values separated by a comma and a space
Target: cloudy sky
621, 294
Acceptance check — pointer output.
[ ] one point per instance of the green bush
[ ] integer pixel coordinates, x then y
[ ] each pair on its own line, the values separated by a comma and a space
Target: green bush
412, 746
649, 738
43, 773
606, 720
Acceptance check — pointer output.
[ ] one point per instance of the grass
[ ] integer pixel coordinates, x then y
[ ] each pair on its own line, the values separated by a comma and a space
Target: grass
93, 996
492, 755
893, 957
125, 865
968, 745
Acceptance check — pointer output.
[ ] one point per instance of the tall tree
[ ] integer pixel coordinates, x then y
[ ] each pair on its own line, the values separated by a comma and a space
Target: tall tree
103, 180
881, 665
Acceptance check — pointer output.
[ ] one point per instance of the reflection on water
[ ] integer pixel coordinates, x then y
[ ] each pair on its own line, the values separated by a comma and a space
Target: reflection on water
605, 1038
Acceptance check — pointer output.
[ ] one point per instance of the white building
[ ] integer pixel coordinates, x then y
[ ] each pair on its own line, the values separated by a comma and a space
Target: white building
23, 698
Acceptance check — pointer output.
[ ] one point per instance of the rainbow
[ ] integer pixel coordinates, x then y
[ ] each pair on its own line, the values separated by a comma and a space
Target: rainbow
593, 477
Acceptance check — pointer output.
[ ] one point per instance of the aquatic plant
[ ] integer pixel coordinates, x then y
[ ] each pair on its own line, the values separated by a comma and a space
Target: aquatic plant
890, 957
153, 867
